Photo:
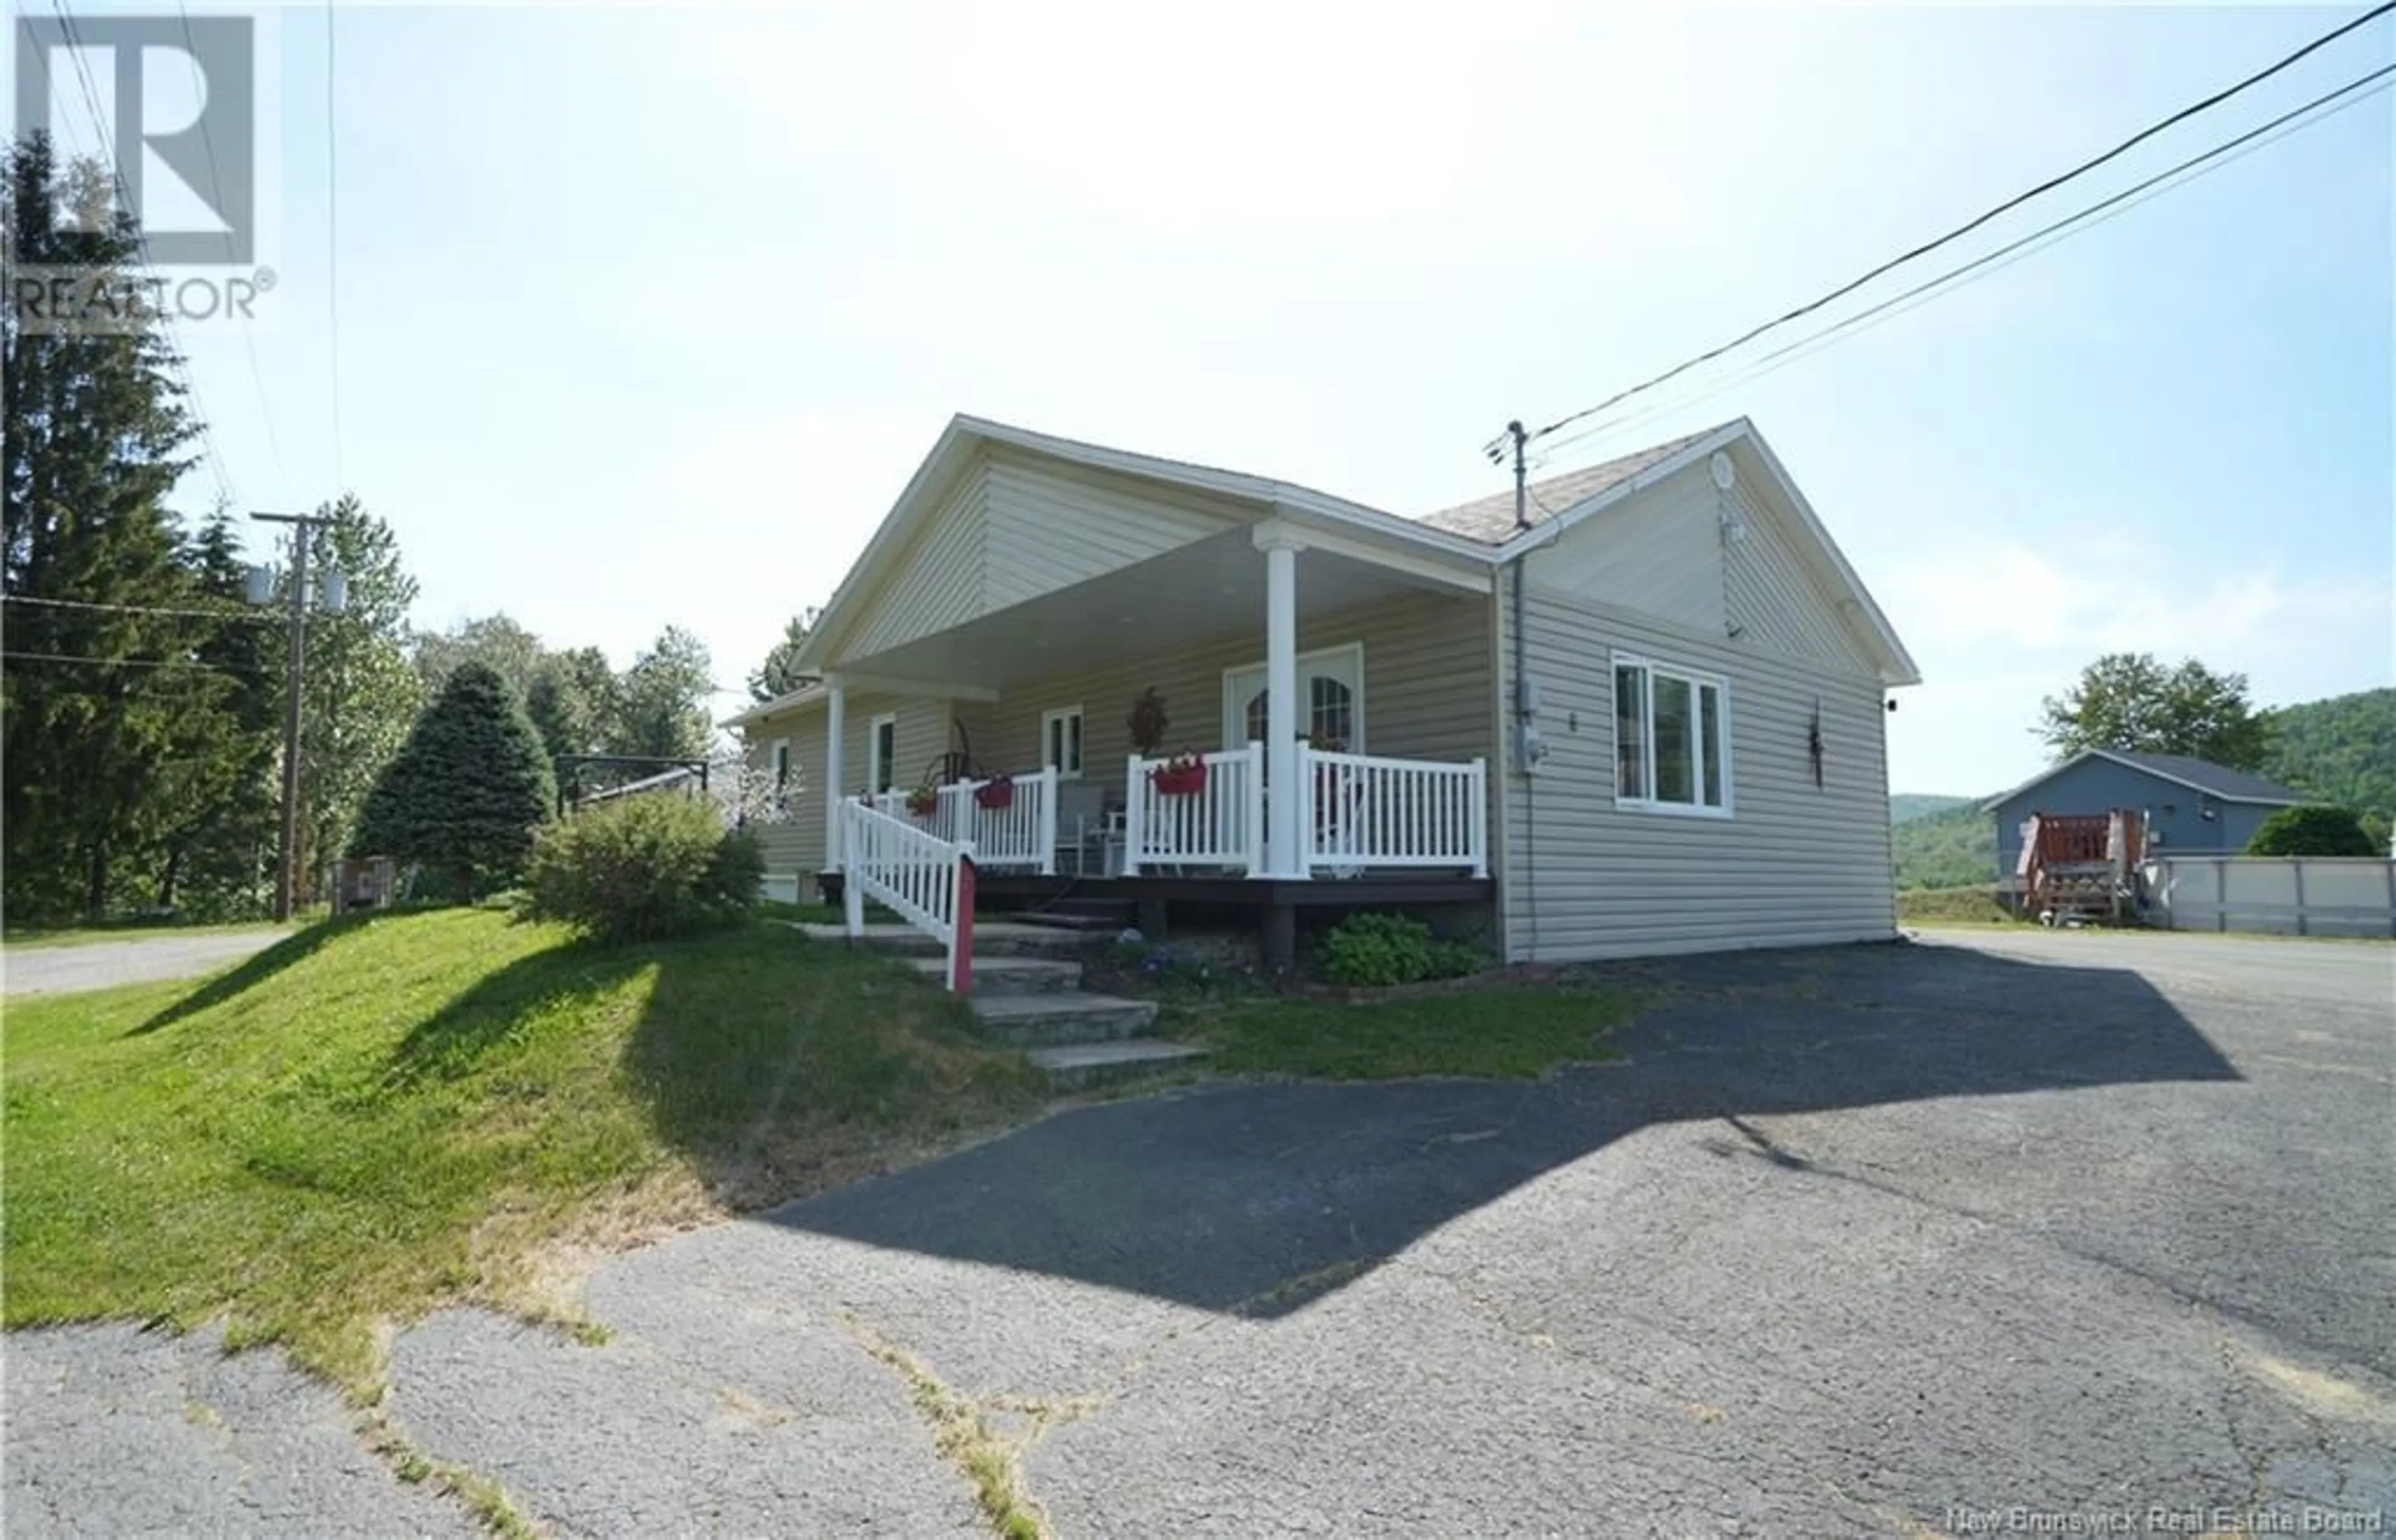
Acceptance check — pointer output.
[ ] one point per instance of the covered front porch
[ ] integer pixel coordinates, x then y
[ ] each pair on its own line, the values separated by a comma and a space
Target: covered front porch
1136, 727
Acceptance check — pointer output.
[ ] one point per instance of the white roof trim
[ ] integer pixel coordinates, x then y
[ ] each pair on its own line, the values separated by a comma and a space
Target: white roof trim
1304, 505
806, 694
2128, 764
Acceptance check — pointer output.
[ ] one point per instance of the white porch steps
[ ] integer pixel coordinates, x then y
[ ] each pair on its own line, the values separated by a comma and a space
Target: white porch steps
1027, 993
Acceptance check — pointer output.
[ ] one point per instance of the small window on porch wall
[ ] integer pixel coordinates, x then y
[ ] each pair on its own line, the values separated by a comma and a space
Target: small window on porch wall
1060, 740
882, 754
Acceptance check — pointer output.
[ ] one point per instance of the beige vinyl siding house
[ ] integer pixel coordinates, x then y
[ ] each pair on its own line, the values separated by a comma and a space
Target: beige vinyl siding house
1787, 862
1026, 590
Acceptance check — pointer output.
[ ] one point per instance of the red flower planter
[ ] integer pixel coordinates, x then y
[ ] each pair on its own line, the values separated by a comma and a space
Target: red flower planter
1179, 777
995, 795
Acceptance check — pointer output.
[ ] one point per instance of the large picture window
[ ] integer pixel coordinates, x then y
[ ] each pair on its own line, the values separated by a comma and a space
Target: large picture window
1672, 738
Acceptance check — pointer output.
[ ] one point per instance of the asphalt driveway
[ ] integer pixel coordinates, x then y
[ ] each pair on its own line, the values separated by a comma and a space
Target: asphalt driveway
1890, 1240
103, 964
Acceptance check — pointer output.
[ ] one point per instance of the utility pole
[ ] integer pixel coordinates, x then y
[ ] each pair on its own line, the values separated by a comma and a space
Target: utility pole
286, 863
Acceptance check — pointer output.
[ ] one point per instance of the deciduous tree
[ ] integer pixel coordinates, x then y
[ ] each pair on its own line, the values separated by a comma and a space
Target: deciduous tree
2130, 702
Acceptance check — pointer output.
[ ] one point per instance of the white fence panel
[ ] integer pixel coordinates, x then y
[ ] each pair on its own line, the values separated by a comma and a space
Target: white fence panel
923, 879
1023, 833
1220, 825
2273, 894
1371, 813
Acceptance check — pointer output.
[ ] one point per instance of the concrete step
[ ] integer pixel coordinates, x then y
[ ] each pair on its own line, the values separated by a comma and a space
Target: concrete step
1045, 1020
1079, 1064
1004, 975
991, 939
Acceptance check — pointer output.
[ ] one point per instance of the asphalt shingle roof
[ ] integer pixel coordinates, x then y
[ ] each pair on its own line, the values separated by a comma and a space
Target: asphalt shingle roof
2220, 779
1491, 520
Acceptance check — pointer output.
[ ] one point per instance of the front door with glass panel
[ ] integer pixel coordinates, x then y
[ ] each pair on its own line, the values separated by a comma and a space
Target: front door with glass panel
1331, 701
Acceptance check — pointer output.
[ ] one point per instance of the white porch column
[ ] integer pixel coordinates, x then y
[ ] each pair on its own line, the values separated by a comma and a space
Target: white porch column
1285, 800
835, 728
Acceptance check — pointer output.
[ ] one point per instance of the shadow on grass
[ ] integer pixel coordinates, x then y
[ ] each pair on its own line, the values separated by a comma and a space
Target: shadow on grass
1253, 1199
259, 967
771, 1063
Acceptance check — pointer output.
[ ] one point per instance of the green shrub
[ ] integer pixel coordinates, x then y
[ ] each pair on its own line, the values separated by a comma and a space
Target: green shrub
2310, 832
1455, 960
1377, 949
643, 868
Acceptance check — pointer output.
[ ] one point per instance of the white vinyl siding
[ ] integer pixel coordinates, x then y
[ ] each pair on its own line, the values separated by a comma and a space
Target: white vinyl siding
1052, 524
1660, 552
1774, 600
940, 582
1798, 865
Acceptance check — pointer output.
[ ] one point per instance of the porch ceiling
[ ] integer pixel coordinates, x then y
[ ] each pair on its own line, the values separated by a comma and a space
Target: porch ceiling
1204, 591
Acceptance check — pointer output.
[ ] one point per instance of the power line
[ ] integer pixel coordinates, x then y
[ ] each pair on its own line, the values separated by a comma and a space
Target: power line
129, 662
248, 342
2260, 137
333, 239
136, 609
177, 363
1976, 222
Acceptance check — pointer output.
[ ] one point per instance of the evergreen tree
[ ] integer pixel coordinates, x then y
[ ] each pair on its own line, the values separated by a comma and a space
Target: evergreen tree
95, 439
463, 794
779, 674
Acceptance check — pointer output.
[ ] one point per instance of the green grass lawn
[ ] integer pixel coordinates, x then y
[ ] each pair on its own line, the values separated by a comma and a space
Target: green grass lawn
380, 1114
1503, 1031
1956, 906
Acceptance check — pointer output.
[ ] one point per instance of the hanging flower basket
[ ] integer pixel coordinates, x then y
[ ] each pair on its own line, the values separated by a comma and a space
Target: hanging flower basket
922, 802
1182, 775
996, 792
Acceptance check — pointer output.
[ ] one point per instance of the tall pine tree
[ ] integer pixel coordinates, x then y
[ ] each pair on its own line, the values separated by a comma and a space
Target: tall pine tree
99, 677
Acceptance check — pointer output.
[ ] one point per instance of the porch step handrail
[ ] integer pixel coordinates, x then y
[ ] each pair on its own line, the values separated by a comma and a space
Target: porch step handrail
1370, 811
923, 879
1222, 824
1023, 833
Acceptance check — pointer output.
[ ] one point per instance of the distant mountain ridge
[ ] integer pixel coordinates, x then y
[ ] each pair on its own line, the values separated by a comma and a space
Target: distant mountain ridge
1906, 806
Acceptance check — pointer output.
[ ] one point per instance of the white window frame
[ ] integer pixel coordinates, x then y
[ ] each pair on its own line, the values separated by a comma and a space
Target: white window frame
1235, 707
877, 774
1048, 720
777, 766
1697, 679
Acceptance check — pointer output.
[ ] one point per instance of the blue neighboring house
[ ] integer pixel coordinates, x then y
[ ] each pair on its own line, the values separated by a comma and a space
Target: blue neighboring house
2193, 806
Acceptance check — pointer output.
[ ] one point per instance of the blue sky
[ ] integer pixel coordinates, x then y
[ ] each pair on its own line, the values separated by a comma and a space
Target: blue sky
647, 316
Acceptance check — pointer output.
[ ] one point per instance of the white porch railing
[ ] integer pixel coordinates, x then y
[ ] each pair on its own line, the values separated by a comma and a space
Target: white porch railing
1220, 825
1372, 812
924, 880
1023, 833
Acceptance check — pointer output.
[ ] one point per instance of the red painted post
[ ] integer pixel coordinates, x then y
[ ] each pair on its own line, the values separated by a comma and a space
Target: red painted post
961, 971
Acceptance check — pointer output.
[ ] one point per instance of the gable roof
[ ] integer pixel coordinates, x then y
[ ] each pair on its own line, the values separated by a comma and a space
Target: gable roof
1491, 519
2217, 782
1463, 534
